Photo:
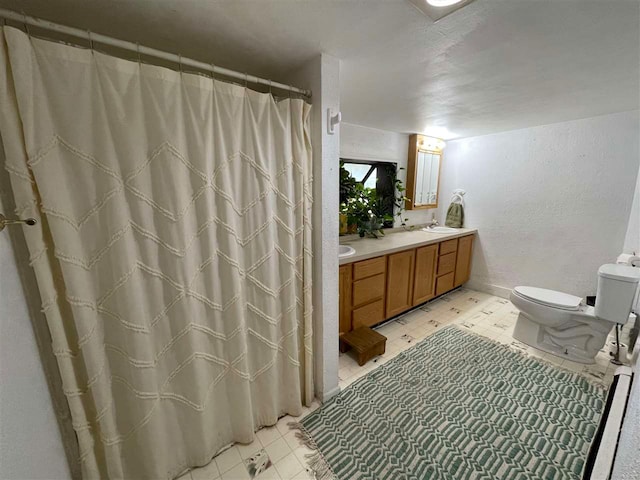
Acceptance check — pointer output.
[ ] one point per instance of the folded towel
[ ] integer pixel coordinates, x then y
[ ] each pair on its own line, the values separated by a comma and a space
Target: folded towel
455, 216
455, 213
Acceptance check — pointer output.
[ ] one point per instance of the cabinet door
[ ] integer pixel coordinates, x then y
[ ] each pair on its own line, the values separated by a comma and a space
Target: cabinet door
446, 263
425, 274
367, 290
449, 246
463, 262
345, 298
369, 268
399, 282
369, 315
444, 283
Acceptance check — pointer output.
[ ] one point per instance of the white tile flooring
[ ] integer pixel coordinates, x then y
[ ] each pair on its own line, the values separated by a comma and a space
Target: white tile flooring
487, 315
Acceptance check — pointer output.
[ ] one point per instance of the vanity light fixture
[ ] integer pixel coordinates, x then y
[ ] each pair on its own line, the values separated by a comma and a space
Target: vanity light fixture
442, 3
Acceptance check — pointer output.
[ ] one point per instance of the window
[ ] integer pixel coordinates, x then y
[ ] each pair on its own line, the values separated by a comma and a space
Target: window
366, 173
378, 176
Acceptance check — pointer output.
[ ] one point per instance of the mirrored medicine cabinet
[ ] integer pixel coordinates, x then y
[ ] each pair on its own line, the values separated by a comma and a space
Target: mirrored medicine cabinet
423, 172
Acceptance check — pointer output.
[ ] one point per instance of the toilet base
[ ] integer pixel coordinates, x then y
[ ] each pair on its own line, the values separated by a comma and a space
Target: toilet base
580, 348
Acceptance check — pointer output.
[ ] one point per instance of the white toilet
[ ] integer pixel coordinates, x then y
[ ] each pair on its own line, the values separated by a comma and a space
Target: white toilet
561, 324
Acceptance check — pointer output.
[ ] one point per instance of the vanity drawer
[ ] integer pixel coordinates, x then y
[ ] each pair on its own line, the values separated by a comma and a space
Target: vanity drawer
368, 268
368, 315
444, 283
448, 246
446, 263
368, 289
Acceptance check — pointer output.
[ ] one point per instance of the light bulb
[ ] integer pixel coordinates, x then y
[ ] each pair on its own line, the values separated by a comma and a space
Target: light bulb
442, 3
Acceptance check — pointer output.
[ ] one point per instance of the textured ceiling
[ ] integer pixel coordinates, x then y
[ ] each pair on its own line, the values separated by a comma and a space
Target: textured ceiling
494, 65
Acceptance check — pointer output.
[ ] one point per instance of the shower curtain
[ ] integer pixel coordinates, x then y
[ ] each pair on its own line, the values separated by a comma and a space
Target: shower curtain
172, 250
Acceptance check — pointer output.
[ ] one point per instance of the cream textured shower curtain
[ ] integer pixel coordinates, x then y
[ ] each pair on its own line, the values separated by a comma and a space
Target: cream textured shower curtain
172, 250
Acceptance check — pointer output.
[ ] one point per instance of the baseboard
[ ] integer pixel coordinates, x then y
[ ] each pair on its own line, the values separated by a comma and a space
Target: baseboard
496, 290
323, 397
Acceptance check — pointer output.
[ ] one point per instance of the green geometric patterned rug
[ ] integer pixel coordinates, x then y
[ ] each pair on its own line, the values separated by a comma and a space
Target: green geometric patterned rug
456, 406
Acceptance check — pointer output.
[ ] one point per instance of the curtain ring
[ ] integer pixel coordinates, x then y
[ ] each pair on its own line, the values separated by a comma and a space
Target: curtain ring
138, 51
246, 80
213, 72
90, 40
180, 63
270, 92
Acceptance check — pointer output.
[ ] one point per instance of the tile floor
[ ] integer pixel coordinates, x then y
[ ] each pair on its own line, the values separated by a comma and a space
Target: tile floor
277, 454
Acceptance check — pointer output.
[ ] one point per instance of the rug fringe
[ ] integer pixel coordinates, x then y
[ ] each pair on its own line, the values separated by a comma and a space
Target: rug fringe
316, 461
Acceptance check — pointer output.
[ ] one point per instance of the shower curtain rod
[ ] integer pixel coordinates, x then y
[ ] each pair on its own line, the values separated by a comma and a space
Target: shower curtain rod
147, 51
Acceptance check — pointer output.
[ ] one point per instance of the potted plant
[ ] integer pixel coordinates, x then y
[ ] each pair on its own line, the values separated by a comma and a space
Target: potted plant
365, 210
347, 191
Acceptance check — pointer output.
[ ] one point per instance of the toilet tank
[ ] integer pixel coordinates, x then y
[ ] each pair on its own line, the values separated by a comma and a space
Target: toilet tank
617, 285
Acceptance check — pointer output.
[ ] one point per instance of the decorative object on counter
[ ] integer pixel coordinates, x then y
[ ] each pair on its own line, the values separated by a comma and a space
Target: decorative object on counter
366, 210
455, 212
360, 209
344, 224
371, 227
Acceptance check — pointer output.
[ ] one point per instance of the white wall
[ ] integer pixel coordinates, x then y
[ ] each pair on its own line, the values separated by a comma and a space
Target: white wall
322, 76
632, 239
551, 203
30, 441
364, 143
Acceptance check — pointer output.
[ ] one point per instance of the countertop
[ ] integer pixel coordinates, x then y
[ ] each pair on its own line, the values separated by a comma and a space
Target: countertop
396, 242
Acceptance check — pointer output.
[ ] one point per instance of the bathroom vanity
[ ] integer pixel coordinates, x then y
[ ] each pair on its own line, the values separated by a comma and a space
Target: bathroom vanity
386, 277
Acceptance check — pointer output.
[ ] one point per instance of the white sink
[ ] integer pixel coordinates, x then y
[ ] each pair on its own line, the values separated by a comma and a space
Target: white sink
441, 230
345, 251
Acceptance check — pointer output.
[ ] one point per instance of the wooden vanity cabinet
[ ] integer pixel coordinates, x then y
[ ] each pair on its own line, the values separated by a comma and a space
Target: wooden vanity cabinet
446, 263
445, 273
344, 295
463, 260
369, 315
399, 282
368, 292
448, 246
379, 288
424, 280
444, 283
368, 268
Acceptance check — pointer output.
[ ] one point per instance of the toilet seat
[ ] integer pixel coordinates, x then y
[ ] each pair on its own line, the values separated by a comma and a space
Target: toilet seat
549, 298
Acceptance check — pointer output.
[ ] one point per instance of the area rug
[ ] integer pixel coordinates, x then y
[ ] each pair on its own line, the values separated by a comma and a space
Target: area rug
456, 406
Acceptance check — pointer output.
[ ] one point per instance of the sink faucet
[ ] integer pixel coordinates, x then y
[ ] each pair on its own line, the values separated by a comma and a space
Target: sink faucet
432, 223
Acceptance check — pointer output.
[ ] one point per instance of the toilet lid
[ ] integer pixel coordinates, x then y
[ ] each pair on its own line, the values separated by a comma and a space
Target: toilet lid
551, 298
